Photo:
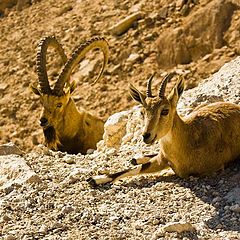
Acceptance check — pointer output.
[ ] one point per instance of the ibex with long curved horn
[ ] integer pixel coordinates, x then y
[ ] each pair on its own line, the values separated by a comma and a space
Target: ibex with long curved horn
65, 127
199, 144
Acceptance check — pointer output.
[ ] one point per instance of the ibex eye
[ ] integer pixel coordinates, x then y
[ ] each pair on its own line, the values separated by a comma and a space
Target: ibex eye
59, 105
164, 112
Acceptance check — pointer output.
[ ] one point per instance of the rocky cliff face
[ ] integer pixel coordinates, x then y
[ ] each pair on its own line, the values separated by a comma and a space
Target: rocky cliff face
200, 34
45, 194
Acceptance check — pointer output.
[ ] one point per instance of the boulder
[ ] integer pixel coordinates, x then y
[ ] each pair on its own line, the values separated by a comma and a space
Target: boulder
14, 171
201, 33
115, 129
9, 148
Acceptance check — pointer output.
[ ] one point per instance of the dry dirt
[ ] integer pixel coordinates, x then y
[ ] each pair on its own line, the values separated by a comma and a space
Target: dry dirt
133, 55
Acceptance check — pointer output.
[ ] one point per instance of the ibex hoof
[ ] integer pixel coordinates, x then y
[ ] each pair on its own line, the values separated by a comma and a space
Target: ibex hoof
92, 182
133, 161
99, 180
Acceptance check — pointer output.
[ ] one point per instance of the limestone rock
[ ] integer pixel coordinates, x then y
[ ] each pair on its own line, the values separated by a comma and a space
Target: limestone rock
222, 86
15, 171
233, 196
178, 227
122, 26
115, 129
9, 148
200, 34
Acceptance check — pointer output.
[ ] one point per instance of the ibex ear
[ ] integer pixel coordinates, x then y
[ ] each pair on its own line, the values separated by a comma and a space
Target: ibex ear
35, 90
176, 92
137, 95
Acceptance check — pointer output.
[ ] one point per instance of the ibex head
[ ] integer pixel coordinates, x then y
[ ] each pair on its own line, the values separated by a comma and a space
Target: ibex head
158, 110
56, 100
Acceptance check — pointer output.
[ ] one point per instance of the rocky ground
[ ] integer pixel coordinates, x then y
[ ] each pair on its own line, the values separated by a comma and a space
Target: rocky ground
45, 194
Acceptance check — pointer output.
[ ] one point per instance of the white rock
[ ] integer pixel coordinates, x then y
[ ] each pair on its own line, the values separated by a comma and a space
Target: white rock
115, 129
134, 57
86, 67
14, 170
222, 86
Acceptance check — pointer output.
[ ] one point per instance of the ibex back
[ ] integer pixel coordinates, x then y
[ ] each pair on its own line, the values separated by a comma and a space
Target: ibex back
199, 144
65, 127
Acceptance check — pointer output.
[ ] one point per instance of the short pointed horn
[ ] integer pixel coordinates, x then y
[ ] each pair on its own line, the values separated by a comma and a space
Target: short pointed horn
149, 86
77, 56
164, 84
41, 61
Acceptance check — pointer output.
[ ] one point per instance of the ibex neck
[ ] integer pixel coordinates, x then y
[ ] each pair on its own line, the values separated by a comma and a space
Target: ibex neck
72, 120
178, 129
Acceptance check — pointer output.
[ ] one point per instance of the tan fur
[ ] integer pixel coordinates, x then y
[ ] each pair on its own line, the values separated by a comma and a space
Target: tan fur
76, 130
199, 144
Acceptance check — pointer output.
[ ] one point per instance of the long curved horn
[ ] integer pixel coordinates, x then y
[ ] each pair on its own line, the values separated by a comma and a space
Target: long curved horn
77, 56
41, 61
164, 84
149, 86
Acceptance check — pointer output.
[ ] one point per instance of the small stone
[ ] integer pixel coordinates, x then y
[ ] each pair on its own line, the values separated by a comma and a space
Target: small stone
155, 222
216, 199
185, 10
235, 208
43, 229
87, 67
134, 57
10, 237
69, 160
10, 148
67, 209
6, 218
178, 227
90, 151
122, 26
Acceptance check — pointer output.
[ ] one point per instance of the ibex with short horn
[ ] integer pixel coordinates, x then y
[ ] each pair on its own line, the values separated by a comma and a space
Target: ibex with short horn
199, 144
65, 127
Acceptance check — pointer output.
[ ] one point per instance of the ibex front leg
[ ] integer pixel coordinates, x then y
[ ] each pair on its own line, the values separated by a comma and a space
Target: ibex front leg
146, 158
153, 166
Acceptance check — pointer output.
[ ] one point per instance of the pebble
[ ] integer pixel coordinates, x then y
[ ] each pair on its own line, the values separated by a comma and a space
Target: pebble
235, 208
69, 160
178, 227
6, 218
10, 237
134, 57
